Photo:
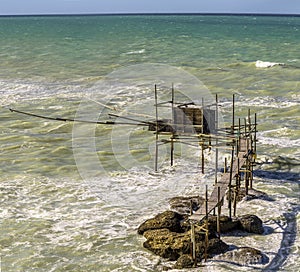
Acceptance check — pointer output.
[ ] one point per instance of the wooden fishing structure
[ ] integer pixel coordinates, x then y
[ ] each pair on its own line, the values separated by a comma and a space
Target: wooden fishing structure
197, 125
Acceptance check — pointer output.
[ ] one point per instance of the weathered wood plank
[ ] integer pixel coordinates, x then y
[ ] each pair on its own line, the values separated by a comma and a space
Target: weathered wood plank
223, 183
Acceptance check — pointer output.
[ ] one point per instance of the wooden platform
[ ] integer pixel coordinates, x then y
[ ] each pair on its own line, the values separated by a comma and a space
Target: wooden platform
238, 163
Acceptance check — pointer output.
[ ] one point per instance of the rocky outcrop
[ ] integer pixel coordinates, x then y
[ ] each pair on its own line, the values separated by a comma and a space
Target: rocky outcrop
252, 194
167, 244
184, 261
184, 205
168, 235
167, 220
251, 223
245, 256
172, 245
226, 223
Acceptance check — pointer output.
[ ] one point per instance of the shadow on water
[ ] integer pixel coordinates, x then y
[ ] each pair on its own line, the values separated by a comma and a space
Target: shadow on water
288, 240
278, 175
280, 168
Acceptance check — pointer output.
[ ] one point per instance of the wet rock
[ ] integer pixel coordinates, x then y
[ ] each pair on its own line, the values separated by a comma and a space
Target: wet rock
215, 246
184, 261
245, 256
167, 220
226, 223
172, 245
251, 223
167, 244
183, 205
252, 194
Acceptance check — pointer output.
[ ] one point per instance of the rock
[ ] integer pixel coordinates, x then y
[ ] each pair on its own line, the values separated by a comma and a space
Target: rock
183, 204
171, 245
184, 261
252, 194
251, 223
215, 246
167, 220
167, 244
245, 256
226, 223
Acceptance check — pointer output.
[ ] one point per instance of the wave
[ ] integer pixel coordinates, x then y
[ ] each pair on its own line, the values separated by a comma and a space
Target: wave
135, 52
267, 64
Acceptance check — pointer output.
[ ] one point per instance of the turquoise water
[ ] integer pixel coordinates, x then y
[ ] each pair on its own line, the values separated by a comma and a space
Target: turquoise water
72, 195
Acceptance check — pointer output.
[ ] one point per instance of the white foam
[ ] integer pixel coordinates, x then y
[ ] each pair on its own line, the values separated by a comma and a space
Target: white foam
277, 141
267, 64
135, 52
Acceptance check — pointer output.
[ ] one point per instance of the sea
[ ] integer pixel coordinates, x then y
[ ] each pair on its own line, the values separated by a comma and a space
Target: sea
74, 193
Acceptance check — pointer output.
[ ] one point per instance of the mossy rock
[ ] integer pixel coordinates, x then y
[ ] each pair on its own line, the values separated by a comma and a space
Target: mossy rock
251, 223
167, 220
184, 261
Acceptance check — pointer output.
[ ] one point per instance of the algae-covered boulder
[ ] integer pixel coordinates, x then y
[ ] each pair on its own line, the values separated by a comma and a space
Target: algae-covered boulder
245, 256
167, 220
167, 244
226, 223
184, 261
172, 245
251, 223
251, 194
215, 246
184, 205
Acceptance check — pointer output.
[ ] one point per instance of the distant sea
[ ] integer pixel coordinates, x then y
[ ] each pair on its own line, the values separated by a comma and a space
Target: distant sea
72, 195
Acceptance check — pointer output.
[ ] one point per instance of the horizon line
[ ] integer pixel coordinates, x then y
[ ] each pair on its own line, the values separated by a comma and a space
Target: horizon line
153, 13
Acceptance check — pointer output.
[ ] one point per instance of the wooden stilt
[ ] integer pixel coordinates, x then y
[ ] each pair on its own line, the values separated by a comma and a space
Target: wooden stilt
172, 151
156, 132
193, 240
249, 120
233, 110
247, 178
217, 141
236, 189
202, 157
206, 223
230, 182
216, 165
172, 136
255, 130
219, 213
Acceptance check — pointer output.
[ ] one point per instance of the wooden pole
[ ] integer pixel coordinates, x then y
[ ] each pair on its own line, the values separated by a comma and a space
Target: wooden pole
172, 137
247, 177
172, 150
216, 132
219, 212
236, 188
193, 240
249, 119
233, 101
255, 130
230, 180
202, 117
225, 165
240, 127
239, 135
206, 223
156, 134
202, 131
202, 157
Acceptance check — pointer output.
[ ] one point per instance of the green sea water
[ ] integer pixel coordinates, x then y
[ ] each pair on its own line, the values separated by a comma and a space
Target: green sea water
72, 195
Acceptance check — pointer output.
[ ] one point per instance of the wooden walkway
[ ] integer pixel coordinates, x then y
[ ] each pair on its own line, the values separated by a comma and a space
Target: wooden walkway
223, 184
